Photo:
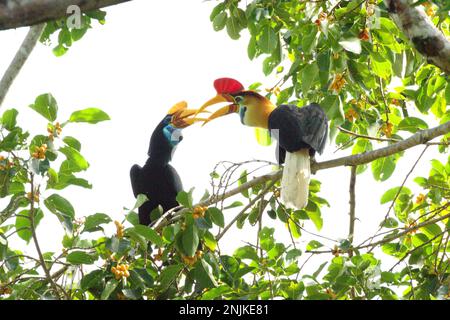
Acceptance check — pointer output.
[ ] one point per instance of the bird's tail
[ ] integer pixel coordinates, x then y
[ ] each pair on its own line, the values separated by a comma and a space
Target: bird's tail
295, 180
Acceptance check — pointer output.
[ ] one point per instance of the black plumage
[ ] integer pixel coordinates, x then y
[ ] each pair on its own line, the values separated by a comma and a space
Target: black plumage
157, 179
299, 128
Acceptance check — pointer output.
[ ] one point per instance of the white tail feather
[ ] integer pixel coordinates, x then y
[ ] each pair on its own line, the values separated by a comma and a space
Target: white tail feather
295, 180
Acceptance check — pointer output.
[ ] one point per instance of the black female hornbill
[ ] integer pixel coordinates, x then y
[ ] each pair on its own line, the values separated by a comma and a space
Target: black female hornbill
157, 179
300, 133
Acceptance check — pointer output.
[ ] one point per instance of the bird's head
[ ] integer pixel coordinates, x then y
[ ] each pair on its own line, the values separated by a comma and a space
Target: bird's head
178, 117
253, 108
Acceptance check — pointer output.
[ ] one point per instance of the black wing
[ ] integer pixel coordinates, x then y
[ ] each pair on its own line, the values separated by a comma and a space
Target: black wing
135, 173
299, 128
160, 183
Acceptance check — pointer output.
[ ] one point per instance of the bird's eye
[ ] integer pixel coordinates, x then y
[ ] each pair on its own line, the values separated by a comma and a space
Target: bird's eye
238, 99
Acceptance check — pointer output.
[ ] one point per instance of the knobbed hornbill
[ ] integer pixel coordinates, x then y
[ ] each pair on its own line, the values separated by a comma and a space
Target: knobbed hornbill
157, 179
300, 133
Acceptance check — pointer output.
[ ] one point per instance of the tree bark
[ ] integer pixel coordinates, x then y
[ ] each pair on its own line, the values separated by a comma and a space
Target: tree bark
19, 60
20, 13
425, 37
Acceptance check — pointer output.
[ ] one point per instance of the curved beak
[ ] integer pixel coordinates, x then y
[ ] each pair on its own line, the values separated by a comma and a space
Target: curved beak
231, 108
183, 118
181, 115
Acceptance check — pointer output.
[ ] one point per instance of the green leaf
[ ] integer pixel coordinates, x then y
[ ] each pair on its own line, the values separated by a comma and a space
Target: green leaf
263, 137
23, 223
185, 199
246, 252
308, 40
81, 257
46, 106
251, 48
267, 41
220, 21
412, 124
140, 200
72, 142
59, 50
111, 285
8, 119
202, 273
308, 76
217, 216
391, 193
293, 254
94, 221
190, 240
242, 180
90, 115
352, 45
312, 245
149, 234
63, 210
316, 218
168, 275
75, 160
93, 279
235, 204
389, 223
217, 9
233, 28
383, 168
210, 241
381, 66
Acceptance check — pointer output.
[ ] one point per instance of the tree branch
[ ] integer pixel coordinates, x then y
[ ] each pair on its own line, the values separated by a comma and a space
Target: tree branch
20, 13
19, 59
421, 137
251, 203
425, 37
388, 239
352, 202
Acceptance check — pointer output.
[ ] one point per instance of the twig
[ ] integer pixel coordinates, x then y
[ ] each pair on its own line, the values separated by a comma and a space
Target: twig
385, 139
400, 190
417, 248
19, 59
36, 243
251, 203
391, 238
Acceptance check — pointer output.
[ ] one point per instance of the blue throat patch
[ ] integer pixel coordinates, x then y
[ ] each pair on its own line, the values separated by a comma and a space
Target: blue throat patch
172, 135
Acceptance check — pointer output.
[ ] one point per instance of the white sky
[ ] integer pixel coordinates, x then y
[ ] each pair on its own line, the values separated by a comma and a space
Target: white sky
147, 57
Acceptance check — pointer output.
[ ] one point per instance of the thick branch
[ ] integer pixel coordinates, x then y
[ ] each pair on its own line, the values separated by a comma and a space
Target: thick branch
19, 60
425, 37
421, 137
20, 13
352, 202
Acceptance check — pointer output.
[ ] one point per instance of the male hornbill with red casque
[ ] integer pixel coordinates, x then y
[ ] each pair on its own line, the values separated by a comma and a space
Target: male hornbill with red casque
157, 179
300, 133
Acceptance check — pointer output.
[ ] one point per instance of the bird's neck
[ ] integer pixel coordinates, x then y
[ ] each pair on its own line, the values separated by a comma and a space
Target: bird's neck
159, 157
259, 116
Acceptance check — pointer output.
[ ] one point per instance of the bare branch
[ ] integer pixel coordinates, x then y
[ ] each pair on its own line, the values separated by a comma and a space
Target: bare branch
352, 203
20, 13
251, 203
388, 239
363, 136
421, 137
19, 60
425, 37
